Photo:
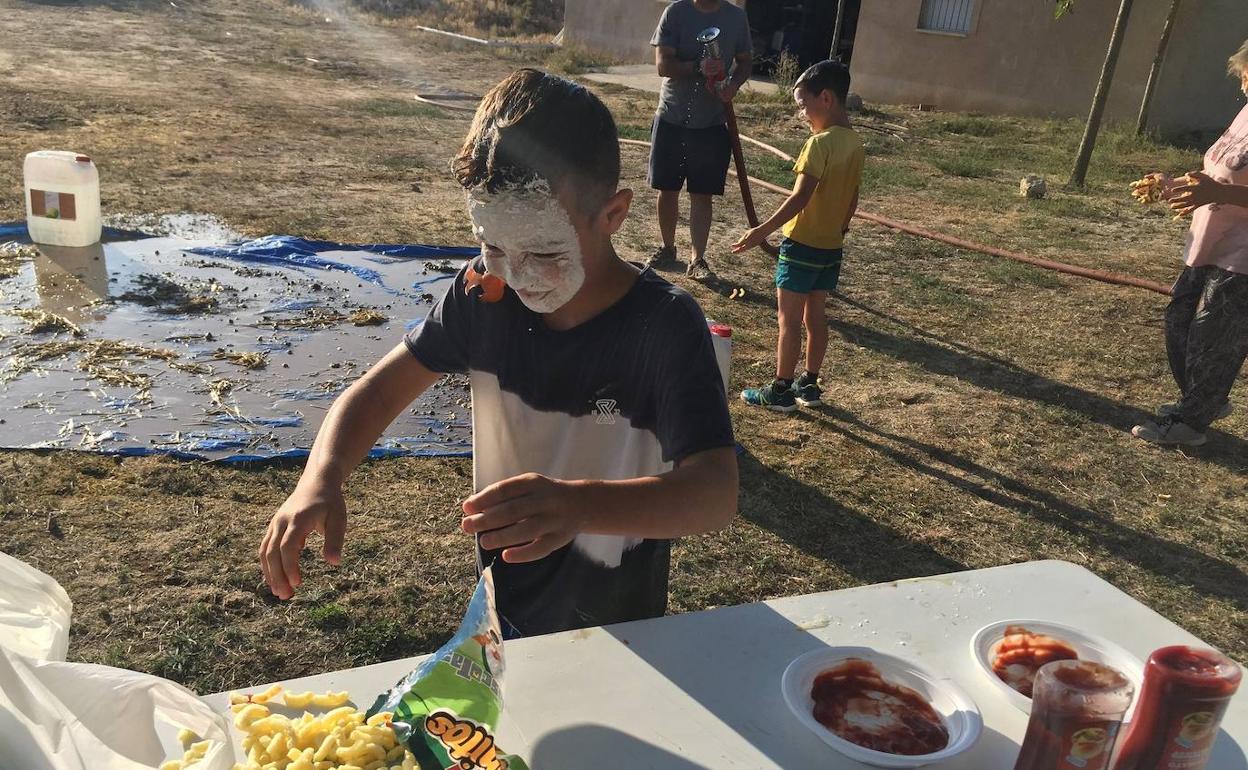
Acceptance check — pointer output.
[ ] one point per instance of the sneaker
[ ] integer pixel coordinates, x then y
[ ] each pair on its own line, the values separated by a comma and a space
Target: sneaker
1169, 431
699, 270
1172, 410
775, 397
664, 256
807, 390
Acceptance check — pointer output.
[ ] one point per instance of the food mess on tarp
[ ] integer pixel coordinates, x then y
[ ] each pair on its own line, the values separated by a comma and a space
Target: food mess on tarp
144, 345
857, 703
1021, 653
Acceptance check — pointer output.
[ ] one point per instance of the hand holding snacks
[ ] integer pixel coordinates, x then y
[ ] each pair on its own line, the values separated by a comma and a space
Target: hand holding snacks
1198, 189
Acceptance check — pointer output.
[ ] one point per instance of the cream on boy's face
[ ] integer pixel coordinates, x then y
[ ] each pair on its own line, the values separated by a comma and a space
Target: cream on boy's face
1243, 81
529, 241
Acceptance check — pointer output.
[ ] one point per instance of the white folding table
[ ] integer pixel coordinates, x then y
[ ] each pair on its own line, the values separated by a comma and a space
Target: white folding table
702, 690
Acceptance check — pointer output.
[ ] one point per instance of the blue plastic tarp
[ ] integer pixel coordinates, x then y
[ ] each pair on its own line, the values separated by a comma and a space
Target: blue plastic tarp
221, 351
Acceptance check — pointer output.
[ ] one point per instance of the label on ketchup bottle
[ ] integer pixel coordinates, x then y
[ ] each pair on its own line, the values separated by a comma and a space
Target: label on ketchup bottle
1087, 746
1189, 739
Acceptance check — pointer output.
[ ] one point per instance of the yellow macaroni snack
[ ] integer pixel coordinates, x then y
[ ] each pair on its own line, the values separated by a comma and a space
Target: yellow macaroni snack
1147, 190
341, 738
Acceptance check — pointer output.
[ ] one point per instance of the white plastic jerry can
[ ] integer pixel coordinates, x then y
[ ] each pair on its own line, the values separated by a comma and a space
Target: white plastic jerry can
62, 198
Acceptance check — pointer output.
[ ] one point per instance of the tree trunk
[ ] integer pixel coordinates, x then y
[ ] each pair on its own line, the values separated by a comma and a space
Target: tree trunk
1141, 124
1078, 175
836, 31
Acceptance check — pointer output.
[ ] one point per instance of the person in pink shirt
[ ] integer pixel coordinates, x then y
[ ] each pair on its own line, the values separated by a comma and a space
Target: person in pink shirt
1207, 320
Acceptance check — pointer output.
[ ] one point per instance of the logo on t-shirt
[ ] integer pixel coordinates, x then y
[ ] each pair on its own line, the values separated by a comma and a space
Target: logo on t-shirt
606, 411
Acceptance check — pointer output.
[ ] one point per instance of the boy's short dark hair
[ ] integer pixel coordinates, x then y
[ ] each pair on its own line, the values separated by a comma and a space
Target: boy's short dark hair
534, 126
827, 75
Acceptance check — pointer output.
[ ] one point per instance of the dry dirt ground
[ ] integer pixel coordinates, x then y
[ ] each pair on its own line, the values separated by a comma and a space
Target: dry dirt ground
978, 408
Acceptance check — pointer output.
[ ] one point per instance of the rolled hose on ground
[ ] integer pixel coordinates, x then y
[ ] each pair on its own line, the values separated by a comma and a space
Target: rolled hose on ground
1103, 276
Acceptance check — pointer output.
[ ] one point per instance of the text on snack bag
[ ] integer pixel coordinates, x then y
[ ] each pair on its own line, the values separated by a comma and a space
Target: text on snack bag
468, 743
471, 670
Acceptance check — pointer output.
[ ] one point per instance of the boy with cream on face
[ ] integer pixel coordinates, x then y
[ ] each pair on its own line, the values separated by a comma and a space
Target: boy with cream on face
600, 425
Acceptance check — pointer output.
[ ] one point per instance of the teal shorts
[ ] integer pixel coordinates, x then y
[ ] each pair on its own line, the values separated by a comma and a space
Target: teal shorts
803, 269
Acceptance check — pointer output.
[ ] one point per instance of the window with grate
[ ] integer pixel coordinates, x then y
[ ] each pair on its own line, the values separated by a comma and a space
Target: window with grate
952, 16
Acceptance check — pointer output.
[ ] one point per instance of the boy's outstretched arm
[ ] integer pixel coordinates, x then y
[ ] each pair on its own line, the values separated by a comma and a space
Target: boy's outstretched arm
352, 425
803, 190
531, 515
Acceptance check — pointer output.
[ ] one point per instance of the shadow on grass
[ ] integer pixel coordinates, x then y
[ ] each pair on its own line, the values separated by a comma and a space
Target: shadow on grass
1207, 575
983, 370
817, 524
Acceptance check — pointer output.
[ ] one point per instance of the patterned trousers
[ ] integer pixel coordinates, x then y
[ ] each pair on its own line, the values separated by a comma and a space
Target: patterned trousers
1206, 339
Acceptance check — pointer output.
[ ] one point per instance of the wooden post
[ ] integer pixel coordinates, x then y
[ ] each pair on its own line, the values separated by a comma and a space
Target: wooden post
836, 31
1141, 123
1078, 175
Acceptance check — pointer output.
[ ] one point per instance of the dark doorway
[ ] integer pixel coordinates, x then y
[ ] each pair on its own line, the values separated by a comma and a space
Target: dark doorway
803, 28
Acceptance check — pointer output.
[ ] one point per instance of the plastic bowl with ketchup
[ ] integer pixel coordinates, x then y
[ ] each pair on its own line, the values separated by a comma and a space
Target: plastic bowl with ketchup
985, 644
957, 712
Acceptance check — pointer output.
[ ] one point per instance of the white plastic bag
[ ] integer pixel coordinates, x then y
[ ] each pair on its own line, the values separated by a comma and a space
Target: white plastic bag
34, 611
79, 716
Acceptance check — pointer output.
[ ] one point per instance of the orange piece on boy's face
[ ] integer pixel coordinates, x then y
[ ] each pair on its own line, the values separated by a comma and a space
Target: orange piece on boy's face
491, 286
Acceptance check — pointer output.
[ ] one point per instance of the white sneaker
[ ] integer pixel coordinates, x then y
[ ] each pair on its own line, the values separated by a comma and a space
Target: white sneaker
1170, 410
1169, 432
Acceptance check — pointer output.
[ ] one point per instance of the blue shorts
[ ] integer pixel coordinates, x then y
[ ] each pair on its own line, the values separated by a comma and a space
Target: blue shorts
699, 156
803, 269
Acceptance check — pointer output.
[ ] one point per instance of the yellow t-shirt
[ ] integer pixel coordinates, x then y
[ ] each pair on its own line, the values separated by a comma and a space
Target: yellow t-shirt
834, 157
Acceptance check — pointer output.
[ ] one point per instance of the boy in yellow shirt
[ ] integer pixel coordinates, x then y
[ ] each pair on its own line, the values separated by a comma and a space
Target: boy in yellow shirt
815, 218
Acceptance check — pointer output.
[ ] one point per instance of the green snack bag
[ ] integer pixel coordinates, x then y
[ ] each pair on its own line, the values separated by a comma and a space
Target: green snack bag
446, 711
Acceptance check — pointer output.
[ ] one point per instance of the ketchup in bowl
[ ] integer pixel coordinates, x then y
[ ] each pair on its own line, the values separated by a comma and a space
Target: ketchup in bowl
857, 703
1185, 693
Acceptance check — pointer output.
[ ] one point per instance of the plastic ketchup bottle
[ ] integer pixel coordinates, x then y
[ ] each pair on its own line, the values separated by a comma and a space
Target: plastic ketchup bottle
1186, 691
1076, 709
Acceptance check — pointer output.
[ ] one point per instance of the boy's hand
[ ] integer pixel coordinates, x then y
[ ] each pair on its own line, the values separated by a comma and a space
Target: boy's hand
728, 92
312, 509
752, 237
528, 516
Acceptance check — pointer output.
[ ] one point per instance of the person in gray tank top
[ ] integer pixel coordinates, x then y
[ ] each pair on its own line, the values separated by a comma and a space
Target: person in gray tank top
690, 144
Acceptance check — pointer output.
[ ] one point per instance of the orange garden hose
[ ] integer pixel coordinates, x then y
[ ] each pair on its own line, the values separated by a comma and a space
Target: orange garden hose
1103, 276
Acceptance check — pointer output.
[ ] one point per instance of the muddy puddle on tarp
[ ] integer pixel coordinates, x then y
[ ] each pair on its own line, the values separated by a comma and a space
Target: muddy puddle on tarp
198, 348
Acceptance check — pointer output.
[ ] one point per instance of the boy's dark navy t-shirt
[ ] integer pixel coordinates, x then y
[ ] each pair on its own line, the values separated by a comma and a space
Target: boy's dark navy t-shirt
629, 393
